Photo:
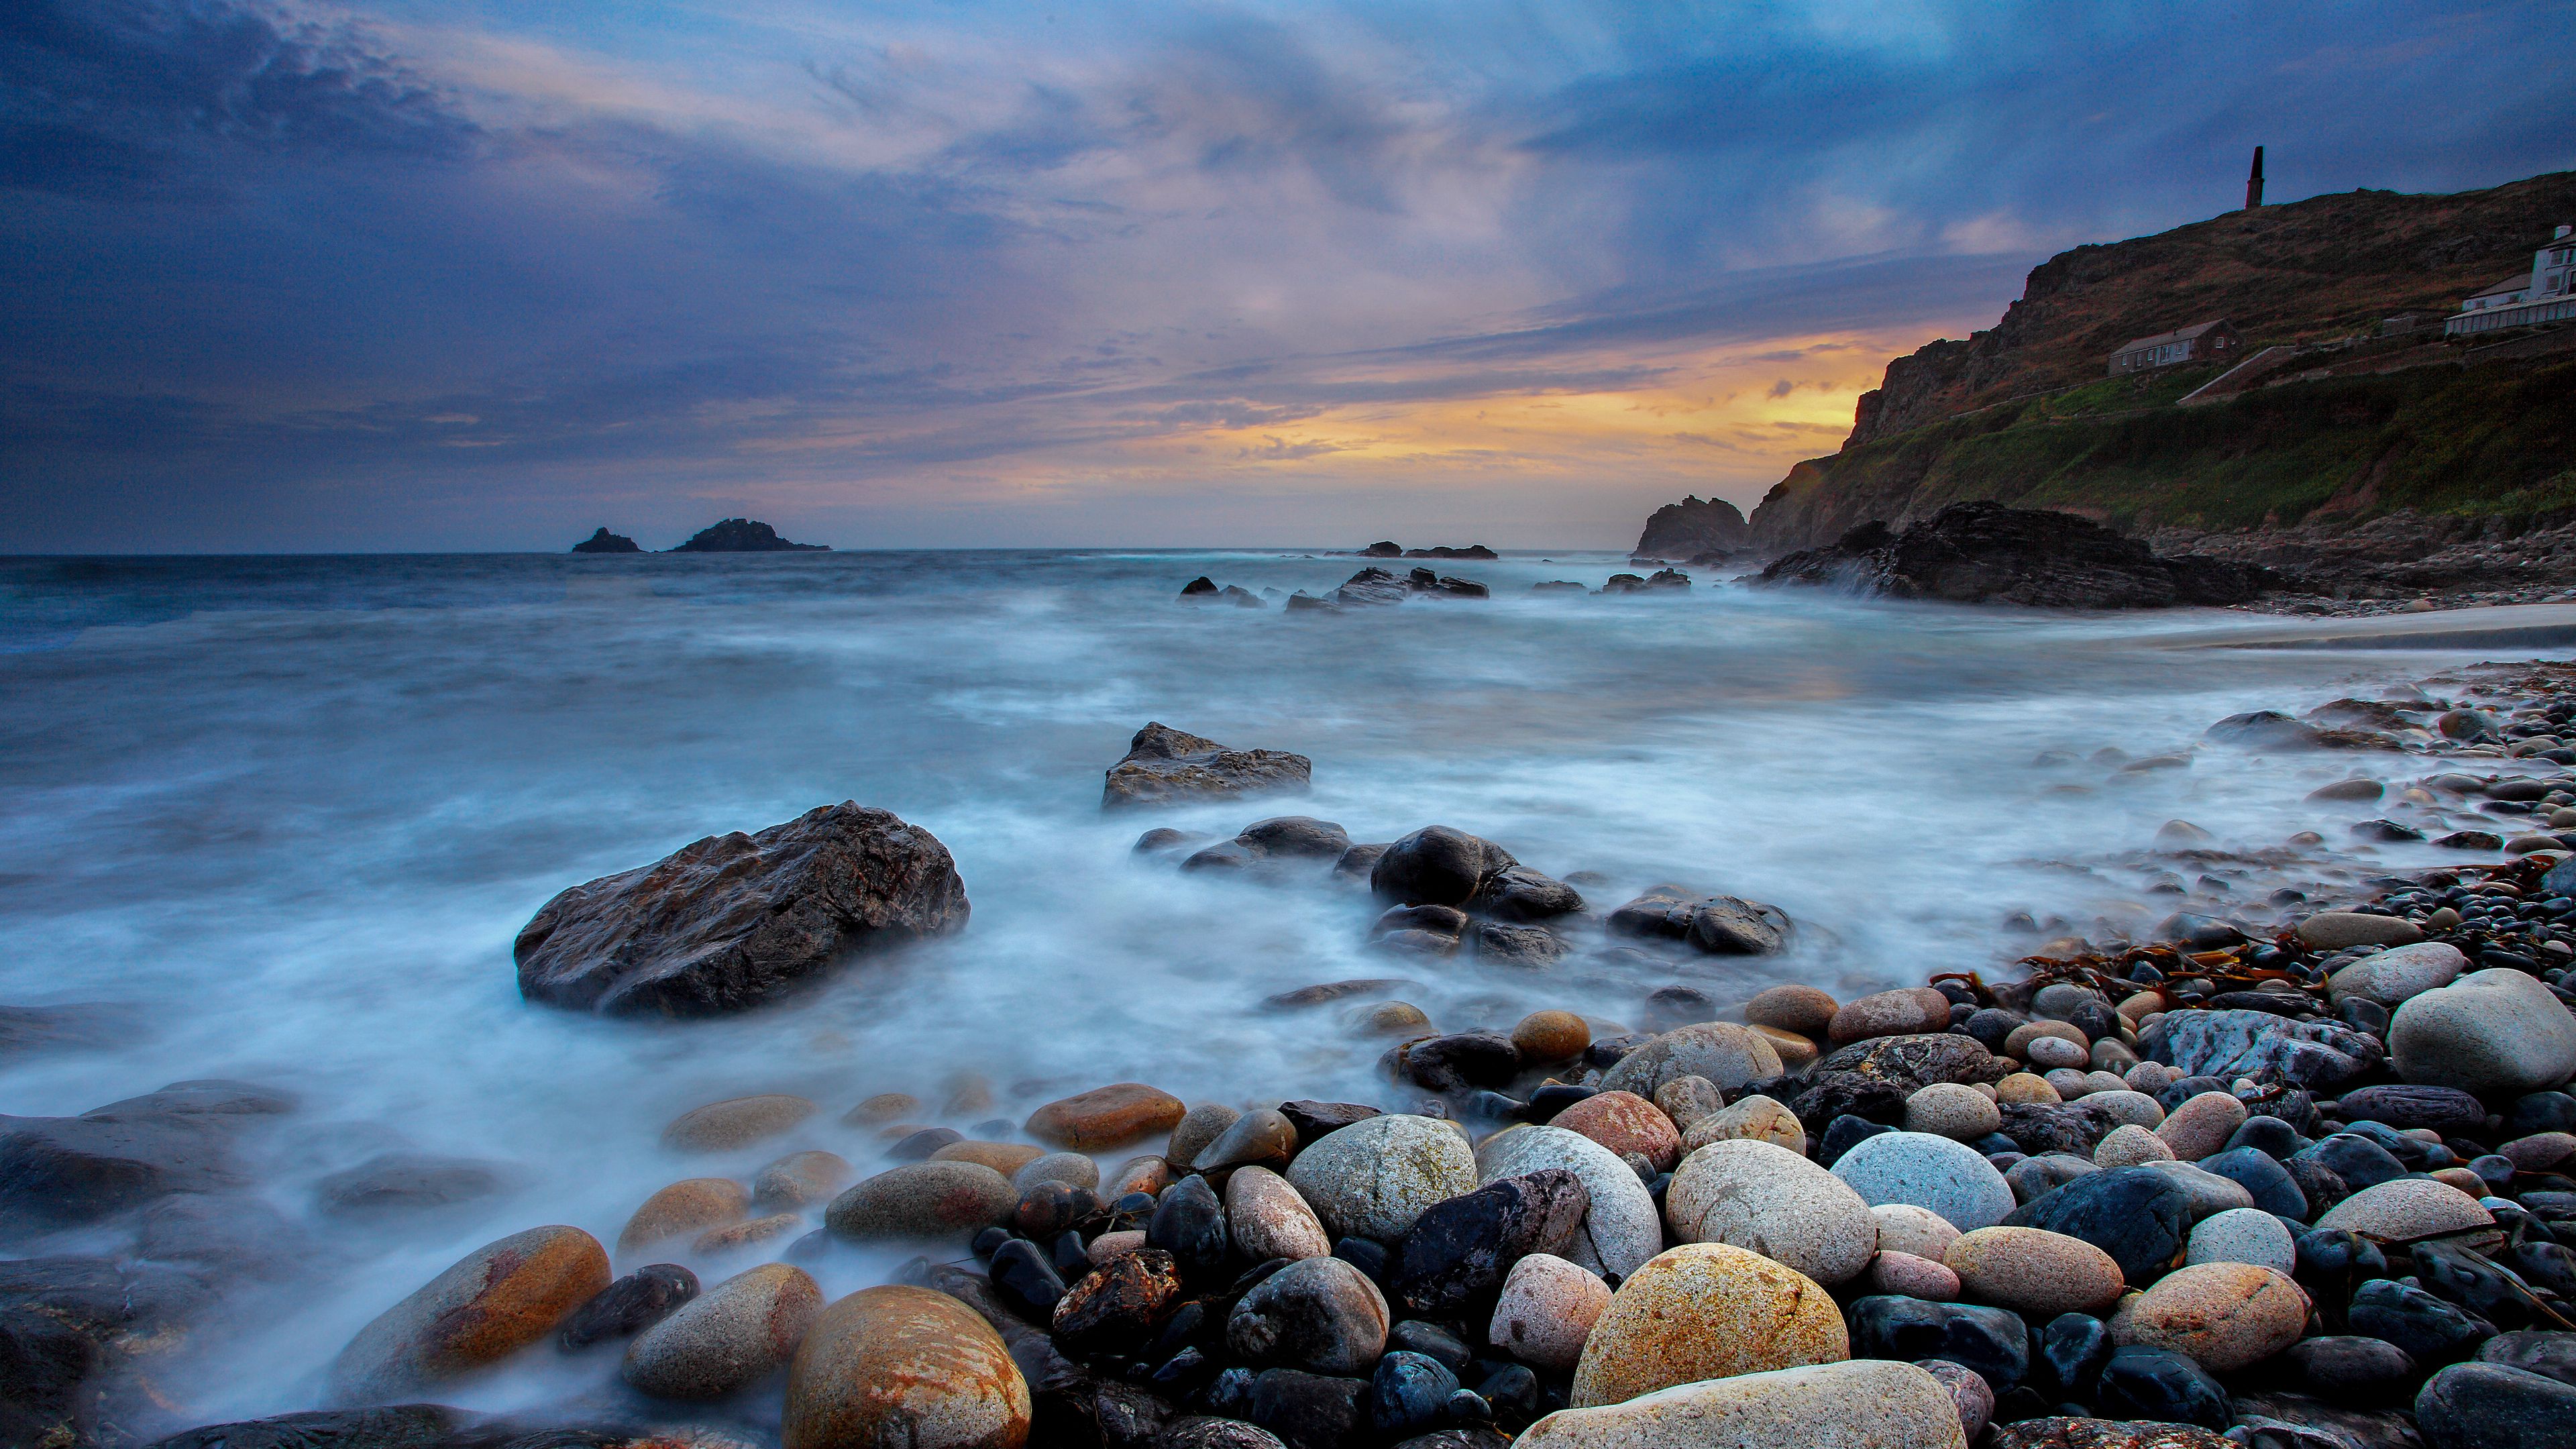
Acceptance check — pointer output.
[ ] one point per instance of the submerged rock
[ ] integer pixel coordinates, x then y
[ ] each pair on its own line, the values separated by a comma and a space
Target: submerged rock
736, 920
496, 1300
1166, 766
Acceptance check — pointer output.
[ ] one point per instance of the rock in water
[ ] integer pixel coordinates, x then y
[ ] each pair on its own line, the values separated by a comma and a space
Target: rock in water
1438, 866
898, 1365
1864, 1404
1983, 552
1707, 1311
744, 535
495, 1301
603, 541
734, 1335
1166, 766
629, 1306
736, 920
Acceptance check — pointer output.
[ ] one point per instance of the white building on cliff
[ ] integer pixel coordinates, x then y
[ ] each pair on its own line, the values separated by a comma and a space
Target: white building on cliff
2546, 294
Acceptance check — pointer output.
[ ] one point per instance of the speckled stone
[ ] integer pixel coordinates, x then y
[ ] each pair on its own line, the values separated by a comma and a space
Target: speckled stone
1706, 1311
1969, 1392
2334, 930
1905, 1228
1620, 1231
940, 1200
1767, 1199
684, 1209
2130, 1145
732, 1336
1792, 1008
2126, 1107
1947, 1177
1198, 1127
1726, 1054
2027, 1087
1753, 1119
1267, 1219
1005, 1158
1625, 1122
1948, 1109
2393, 976
494, 1301
1687, 1100
736, 1122
2407, 1207
1907, 1011
906, 1366
2494, 1032
2201, 1126
1913, 1277
2243, 1235
1374, 1177
1073, 1169
2034, 1272
1320, 1315
2224, 1316
1861, 1404
1546, 1311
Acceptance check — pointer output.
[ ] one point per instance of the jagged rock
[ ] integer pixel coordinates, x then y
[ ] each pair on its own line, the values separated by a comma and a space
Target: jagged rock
1164, 766
1981, 552
744, 535
2231, 1044
736, 920
603, 541
1693, 527
1376, 586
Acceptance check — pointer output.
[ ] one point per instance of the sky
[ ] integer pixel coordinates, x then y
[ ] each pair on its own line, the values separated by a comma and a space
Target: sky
402, 275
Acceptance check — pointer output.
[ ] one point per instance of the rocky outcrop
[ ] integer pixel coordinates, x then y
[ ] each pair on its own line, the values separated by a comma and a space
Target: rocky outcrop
1166, 766
61, 1171
1692, 528
1987, 553
1372, 586
736, 920
604, 541
1442, 550
744, 535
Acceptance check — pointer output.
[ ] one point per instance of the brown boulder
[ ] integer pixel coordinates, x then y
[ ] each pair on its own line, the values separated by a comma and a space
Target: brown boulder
1106, 1117
692, 1205
904, 1366
1165, 766
495, 1301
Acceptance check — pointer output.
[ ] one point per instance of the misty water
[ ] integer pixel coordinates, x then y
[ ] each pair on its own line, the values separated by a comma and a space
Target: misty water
294, 810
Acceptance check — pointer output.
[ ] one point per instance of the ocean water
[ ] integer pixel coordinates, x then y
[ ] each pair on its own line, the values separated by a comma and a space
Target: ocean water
294, 810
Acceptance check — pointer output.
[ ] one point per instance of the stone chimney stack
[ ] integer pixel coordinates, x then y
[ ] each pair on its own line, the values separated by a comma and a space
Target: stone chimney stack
2254, 182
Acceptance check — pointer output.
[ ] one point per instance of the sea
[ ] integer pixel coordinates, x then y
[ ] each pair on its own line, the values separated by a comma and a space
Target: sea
292, 811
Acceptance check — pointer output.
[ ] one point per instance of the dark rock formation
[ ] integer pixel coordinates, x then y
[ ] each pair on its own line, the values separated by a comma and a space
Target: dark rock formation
743, 535
735, 920
63, 1170
1378, 586
1693, 527
1203, 590
1473, 550
1974, 553
71, 1333
1165, 765
604, 541
1383, 548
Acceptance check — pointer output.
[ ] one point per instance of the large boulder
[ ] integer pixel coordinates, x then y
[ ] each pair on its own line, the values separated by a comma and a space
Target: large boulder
1705, 1311
58, 1171
494, 1301
1984, 552
1165, 766
736, 920
1437, 866
2497, 1031
903, 1365
1620, 1226
1719, 925
1857, 1404
2232, 1044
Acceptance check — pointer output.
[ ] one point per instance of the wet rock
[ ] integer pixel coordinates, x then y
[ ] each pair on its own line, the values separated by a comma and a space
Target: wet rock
2335, 930
1409, 1393
406, 1182
2135, 1214
1462, 1059
1437, 866
2224, 1316
1318, 1314
2541, 1351
1106, 1117
74, 1332
684, 1209
1934, 1173
2243, 1235
1527, 947
903, 1365
1913, 1062
1201, 1432
732, 1336
2496, 1031
2392, 977
2446, 1110
1727, 1055
1006, 1158
1911, 1011
2034, 1272
1546, 1310
493, 1302
943, 1200
2067, 1354
1118, 1309
2349, 1367
1705, 1311
1262, 1137
2471, 1405
1768, 1200
1621, 1228
2209, 1192
628, 1306
2145, 1382
1718, 925
1990, 1340
1550, 1036
1165, 766
1295, 837
2406, 1208
735, 920
1518, 893
2070, 1433
1375, 1177
1189, 1224
736, 1122
1068, 1169
1460, 1250
2264, 1179
1267, 1219
1969, 1393
63, 1170
2432, 1331
402, 1426
1863, 1404
1198, 1127
2231, 1044
1309, 1411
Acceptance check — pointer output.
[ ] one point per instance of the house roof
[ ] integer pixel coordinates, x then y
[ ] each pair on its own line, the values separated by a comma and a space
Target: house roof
2179, 334
2514, 283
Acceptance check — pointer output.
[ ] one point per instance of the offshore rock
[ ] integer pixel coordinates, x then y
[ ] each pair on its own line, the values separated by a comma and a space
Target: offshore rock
603, 541
744, 535
736, 920
1167, 766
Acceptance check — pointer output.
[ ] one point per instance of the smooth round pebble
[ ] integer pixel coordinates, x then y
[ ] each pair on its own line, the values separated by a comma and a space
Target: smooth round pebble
2242, 1235
1946, 1177
1546, 1311
1772, 1201
2026, 1087
1905, 1228
1914, 1277
2224, 1316
2128, 1145
1705, 1311
1947, 1109
2034, 1272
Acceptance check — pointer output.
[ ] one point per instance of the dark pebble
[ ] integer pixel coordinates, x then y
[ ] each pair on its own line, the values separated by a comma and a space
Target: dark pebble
1072, 1256
2540, 1112
1845, 1133
2268, 1135
1189, 1224
2542, 1351
1512, 1392
1553, 1098
1313, 1119
629, 1306
2357, 1160
1462, 1059
1409, 1394
921, 1144
1366, 1254
2068, 1353
2139, 1382
2136, 1214
1993, 1341
1413, 1335
990, 1241
1460, 1250
1026, 1281
2444, 1109
1048, 1208
2349, 1366
2262, 1176
2430, 1330
1309, 1411
2481, 1405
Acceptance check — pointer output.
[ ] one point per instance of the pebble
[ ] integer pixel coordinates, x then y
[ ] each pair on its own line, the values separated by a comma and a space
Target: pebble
1803, 1010
1797, 1053
1625, 1122
2017, 1041
737, 1122
2242, 1235
1705, 1311
1862, 1404
1104, 1117
1190, 1224
2223, 1316
1727, 1055
1946, 1177
1115, 1245
1460, 1250
1318, 1314
2126, 1107
2206, 1192
2135, 1214
2477, 1405
2033, 1176
1409, 1394
1551, 1036
628, 1306
2139, 1381
1908, 1011
1198, 1127
684, 1209
2494, 1032
1308, 1411
2407, 1207
1904, 1228
732, 1336
742, 1235
2034, 1272
2394, 976
903, 1365
2201, 1126
1621, 1229
1262, 1137
1993, 1341
1948, 1109
1073, 1169
1756, 1119
493, 1302
2129, 1145
1118, 1308
945, 1200
1546, 1310
2348, 1366
1970, 1394
800, 1179
2430, 1330
2056, 1053
1686, 1100
1148, 1175
881, 1108
1374, 1177
1913, 1277
2335, 930
1764, 1198
2068, 1083
1267, 1219
1005, 1158
2027, 1087
1394, 1018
